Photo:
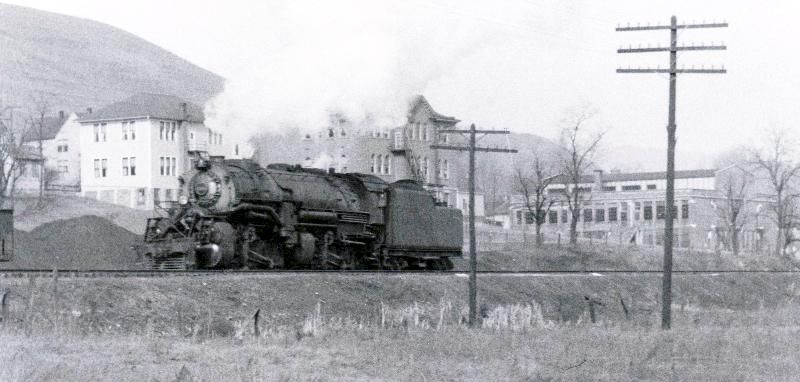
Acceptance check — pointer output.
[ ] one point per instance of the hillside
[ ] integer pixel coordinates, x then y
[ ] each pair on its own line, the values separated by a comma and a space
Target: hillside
84, 63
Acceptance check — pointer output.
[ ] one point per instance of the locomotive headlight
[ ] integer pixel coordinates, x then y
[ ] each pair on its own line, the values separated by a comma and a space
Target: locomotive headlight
183, 200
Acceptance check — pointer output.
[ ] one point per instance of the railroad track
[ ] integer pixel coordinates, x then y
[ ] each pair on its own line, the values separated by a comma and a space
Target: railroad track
98, 273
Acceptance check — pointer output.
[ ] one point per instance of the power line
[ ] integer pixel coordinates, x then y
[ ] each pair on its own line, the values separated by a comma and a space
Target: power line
473, 264
673, 71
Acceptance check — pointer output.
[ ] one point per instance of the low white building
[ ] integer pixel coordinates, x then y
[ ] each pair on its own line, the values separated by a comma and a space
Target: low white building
60, 138
133, 151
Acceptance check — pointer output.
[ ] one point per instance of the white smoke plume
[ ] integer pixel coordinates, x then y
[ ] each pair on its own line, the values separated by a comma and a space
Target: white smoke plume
358, 58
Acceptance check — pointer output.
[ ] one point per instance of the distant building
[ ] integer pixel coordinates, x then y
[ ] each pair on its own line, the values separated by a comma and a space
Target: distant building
133, 151
630, 208
60, 138
394, 153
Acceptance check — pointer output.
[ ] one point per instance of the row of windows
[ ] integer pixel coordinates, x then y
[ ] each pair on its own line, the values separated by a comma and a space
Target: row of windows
63, 147
167, 130
419, 132
631, 187
380, 164
128, 130
168, 165
129, 166
101, 167
101, 133
612, 214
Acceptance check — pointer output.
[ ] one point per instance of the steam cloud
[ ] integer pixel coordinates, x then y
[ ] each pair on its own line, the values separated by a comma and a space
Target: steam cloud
363, 59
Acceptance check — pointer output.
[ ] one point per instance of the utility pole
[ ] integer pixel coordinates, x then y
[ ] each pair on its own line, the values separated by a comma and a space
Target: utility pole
473, 262
671, 127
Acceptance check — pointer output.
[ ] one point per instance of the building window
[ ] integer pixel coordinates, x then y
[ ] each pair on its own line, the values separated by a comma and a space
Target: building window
600, 215
133, 166
446, 170
161, 159
97, 168
587, 215
552, 217
631, 188
330, 133
156, 195
220, 138
637, 211
612, 214
661, 211
528, 217
104, 168
103, 131
684, 210
425, 169
96, 132
132, 128
140, 196
168, 194
125, 166
623, 214
172, 132
174, 166
651, 186
563, 216
648, 212
63, 167
387, 165
609, 188
519, 217
161, 130
124, 131
372, 163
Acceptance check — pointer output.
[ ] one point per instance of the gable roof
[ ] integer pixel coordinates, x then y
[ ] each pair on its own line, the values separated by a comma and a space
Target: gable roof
148, 105
50, 128
641, 176
420, 101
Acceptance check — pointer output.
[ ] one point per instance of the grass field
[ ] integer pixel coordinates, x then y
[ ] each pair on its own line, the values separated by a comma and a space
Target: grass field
401, 327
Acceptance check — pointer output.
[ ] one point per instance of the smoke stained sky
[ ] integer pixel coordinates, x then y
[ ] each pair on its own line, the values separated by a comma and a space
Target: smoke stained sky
516, 65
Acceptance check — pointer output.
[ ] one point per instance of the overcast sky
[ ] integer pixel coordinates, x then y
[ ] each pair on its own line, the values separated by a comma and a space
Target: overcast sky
514, 65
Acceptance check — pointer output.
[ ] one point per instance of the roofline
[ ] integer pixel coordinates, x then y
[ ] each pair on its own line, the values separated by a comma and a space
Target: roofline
114, 119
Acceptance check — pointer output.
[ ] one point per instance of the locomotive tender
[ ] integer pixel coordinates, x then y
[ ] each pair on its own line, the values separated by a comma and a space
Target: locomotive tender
233, 213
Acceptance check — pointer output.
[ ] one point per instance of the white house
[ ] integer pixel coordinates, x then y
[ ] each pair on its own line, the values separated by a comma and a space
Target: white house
60, 138
133, 151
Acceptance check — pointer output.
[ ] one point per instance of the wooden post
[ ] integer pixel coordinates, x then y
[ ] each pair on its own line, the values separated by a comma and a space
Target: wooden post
256, 329
4, 307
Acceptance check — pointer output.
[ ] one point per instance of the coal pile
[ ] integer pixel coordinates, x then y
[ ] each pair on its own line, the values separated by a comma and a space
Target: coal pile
86, 242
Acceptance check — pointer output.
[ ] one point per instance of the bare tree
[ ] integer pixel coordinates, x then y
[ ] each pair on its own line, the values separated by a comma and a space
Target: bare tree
733, 209
780, 170
38, 118
579, 147
533, 187
10, 147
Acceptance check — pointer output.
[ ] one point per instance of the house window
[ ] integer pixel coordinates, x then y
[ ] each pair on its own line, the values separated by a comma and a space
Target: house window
156, 195
387, 165
330, 133
609, 188
651, 186
587, 215
104, 168
174, 161
374, 165
446, 170
63, 167
124, 131
172, 132
623, 214
168, 194
552, 217
161, 159
563, 216
600, 215
612, 214
97, 168
528, 217
161, 130
133, 166
96, 132
661, 211
132, 128
648, 212
684, 210
140, 196
631, 188
191, 135
103, 131
125, 166
637, 211
380, 164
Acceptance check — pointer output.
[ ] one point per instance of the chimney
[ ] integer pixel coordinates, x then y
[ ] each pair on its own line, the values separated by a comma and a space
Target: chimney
61, 114
598, 180
184, 113
88, 110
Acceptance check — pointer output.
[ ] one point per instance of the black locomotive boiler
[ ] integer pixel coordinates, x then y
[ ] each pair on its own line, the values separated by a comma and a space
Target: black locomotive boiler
237, 214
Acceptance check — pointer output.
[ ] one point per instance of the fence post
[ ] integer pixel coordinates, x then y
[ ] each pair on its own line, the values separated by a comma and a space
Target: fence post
256, 329
3, 308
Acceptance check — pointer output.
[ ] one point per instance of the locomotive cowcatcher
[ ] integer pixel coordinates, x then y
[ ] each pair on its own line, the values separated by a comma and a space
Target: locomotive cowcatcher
233, 213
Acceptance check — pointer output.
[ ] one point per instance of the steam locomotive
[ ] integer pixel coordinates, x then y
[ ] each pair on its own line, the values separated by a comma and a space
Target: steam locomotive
234, 214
